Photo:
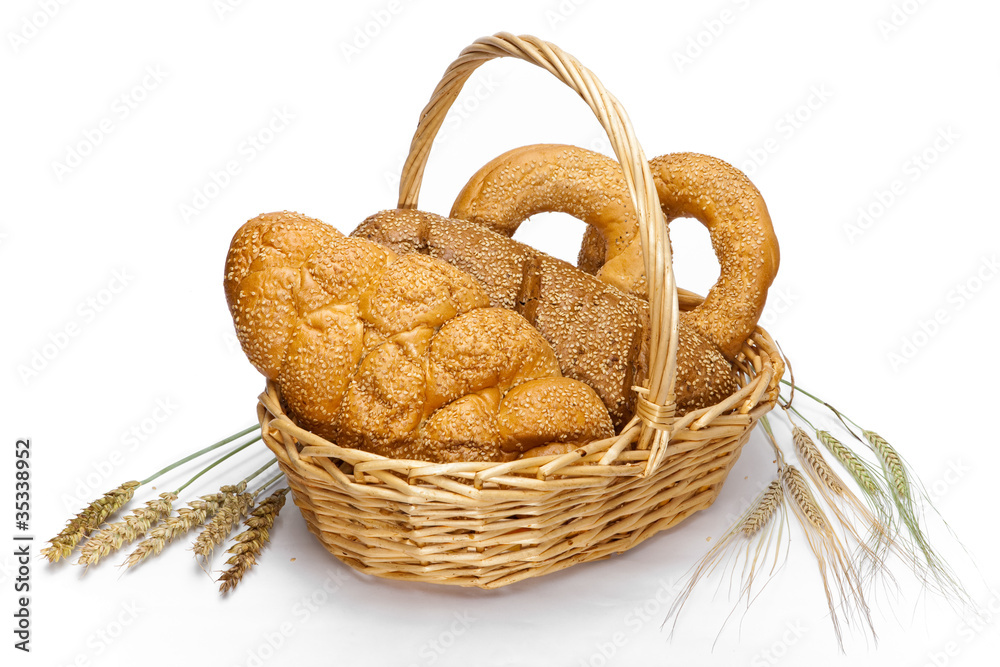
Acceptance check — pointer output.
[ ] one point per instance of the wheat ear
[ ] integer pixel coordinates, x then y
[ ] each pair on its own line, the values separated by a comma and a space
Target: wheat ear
235, 505
132, 527
251, 542
195, 514
84, 523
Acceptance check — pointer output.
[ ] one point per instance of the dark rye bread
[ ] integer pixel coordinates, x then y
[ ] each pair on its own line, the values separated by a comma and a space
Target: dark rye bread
600, 334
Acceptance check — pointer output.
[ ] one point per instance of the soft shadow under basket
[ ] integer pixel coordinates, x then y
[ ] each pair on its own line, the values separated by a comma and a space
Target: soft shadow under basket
491, 524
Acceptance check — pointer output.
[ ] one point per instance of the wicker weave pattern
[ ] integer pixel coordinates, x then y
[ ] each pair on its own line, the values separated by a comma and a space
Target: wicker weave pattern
491, 524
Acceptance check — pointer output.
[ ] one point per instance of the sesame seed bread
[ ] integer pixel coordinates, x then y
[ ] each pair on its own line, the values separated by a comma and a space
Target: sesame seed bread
599, 333
400, 355
590, 186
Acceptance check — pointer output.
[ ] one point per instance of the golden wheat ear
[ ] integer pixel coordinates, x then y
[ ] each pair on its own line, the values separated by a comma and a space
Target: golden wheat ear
236, 503
110, 539
186, 520
249, 544
88, 520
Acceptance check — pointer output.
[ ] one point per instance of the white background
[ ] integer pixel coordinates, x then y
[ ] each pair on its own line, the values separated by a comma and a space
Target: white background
869, 86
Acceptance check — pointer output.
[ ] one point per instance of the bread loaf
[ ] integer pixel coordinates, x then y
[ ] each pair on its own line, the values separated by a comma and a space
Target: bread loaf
398, 355
599, 333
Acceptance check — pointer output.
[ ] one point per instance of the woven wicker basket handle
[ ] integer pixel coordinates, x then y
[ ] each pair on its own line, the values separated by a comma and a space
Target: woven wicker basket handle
656, 409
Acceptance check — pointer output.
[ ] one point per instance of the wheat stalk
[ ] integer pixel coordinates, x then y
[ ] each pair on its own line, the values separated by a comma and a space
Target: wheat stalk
195, 514
84, 523
91, 518
897, 482
251, 542
235, 505
133, 526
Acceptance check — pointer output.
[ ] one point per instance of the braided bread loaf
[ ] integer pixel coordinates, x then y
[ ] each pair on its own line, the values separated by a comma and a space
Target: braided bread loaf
397, 355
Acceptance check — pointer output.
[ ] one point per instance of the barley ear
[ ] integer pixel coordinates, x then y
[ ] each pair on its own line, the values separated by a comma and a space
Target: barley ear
945, 581
853, 516
751, 536
841, 581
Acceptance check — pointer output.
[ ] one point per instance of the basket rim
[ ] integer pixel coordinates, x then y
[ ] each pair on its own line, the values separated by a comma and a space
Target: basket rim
760, 368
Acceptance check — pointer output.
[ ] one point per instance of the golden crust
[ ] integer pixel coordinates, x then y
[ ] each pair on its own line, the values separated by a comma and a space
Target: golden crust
400, 356
590, 186
599, 334
550, 177
551, 410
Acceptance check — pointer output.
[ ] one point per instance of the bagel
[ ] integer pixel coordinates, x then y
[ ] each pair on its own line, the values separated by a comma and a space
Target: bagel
591, 187
549, 177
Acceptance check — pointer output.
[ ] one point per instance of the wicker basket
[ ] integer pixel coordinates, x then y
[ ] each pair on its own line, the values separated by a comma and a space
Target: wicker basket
491, 524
